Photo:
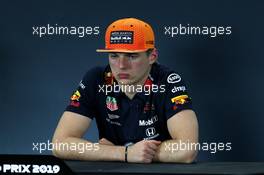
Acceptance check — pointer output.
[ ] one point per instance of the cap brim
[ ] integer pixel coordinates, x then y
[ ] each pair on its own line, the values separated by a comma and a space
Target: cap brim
120, 50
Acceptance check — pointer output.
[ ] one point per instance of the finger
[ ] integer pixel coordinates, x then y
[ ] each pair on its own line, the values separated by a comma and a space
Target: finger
104, 141
155, 142
148, 156
150, 151
100, 141
107, 142
153, 146
147, 160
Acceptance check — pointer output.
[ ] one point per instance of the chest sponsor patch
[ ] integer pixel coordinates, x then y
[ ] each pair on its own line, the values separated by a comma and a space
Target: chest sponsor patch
113, 122
111, 103
113, 116
148, 107
148, 122
151, 133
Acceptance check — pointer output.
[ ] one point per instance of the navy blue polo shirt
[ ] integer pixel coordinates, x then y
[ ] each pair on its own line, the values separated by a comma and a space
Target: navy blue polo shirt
122, 120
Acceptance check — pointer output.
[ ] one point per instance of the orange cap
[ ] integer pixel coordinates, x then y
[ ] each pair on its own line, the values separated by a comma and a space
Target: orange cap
128, 35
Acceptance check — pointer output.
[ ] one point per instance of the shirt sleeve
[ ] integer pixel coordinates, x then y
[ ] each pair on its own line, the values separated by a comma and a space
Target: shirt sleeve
83, 97
176, 97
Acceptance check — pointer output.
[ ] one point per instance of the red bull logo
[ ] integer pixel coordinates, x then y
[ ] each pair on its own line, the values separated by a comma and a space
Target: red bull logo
179, 100
75, 99
76, 96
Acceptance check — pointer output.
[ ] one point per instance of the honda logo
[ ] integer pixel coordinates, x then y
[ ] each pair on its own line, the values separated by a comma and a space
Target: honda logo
150, 131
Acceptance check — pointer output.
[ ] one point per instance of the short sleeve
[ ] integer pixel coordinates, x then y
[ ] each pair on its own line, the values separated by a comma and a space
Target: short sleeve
83, 97
176, 97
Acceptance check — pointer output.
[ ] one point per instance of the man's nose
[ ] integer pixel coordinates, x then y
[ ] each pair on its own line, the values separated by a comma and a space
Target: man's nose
123, 63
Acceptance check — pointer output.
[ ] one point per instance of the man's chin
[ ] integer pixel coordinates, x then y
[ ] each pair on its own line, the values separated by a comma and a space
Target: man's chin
125, 82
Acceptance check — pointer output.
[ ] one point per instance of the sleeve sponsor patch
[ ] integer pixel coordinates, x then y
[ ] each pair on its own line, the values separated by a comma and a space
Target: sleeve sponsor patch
75, 99
173, 78
76, 96
181, 99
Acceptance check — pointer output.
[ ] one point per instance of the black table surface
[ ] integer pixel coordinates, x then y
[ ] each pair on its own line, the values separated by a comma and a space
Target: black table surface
86, 167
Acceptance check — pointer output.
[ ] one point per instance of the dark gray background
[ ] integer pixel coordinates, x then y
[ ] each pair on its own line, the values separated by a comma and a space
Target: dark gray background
224, 74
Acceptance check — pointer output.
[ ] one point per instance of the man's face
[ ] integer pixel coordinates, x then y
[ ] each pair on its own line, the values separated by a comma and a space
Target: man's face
130, 68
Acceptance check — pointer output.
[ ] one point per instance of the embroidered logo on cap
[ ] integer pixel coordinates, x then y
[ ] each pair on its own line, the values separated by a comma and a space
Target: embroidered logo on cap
121, 37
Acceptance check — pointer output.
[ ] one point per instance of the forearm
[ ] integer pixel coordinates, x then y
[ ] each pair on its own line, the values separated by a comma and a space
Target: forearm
170, 151
89, 151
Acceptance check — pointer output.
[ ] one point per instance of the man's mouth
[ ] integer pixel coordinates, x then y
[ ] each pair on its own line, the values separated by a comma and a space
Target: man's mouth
123, 76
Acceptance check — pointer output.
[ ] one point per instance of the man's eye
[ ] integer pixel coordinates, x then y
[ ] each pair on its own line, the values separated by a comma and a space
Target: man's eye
113, 56
133, 57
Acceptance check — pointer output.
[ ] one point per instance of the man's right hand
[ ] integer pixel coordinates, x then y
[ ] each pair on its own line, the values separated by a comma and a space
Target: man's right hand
143, 151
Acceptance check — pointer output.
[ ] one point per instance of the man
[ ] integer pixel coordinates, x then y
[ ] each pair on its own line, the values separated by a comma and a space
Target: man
142, 109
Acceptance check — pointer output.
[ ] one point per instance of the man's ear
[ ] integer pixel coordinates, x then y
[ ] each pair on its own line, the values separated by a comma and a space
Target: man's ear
153, 56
